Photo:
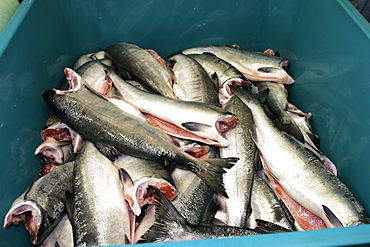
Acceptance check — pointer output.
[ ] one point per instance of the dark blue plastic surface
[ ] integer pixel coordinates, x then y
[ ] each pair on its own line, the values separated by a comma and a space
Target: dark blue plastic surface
327, 43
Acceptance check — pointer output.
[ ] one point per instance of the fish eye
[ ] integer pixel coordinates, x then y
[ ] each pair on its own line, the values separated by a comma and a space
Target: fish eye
266, 69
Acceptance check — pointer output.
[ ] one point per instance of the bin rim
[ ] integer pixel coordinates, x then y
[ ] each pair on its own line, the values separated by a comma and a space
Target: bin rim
12, 26
356, 16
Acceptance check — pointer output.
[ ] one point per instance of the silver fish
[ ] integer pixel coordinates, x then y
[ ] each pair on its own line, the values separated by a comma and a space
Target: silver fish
56, 129
97, 208
42, 205
221, 71
238, 179
301, 173
303, 121
206, 121
277, 104
191, 81
193, 195
98, 120
255, 66
277, 99
94, 74
142, 67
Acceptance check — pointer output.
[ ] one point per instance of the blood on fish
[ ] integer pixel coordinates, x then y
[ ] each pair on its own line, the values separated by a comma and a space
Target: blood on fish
167, 189
48, 164
227, 123
60, 134
197, 152
239, 83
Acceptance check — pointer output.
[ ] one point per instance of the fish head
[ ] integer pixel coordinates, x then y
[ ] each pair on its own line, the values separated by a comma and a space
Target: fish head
27, 213
75, 84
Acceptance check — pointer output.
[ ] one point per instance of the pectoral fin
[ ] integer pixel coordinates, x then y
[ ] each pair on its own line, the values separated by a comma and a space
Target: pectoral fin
331, 217
193, 126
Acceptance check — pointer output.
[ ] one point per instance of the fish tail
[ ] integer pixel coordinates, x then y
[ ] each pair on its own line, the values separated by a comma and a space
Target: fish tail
166, 215
212, 170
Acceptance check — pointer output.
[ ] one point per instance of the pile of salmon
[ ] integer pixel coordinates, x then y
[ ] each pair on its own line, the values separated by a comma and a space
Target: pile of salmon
201, 144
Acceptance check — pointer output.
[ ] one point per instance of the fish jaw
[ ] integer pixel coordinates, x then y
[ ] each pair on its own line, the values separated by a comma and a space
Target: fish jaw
26, 212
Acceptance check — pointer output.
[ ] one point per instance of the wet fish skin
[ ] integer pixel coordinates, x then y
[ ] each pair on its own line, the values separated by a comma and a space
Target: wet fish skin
266, 205
193, 195
191, 81
256, 66
223, 73
145, 223
94, 213
302, 119
98, 120
301, 173
87, 58
94, 74
61, 236
43, 203
277, 103
238, 179
205, 121
277, 99
142, 67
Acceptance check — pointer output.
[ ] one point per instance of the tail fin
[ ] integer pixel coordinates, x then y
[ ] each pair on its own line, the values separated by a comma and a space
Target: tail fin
212, 170
167, 220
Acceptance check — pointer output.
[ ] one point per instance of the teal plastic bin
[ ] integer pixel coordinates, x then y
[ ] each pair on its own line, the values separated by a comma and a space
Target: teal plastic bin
326, 42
